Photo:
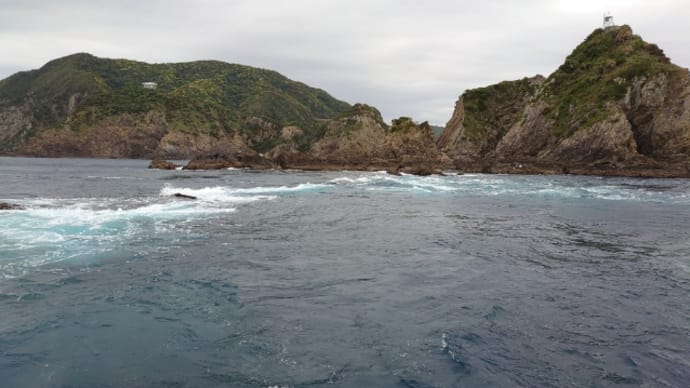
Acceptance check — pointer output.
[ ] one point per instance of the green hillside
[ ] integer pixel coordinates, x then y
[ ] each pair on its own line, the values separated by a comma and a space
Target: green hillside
493, 108
196, 97
617, 102
598, 72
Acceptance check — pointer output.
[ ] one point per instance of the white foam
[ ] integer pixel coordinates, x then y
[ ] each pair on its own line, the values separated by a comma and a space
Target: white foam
502, 185
230, 194
282, 189
362, 179
217, 194
83, 214
53, 230
386, 182
444, 343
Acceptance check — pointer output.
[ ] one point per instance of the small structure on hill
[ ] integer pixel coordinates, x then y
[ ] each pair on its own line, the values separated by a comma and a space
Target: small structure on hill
149, 85
608, 20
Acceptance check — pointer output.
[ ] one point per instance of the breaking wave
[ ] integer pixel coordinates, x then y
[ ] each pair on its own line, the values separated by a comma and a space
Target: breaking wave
55, 230
52, 230
231, 194
614, 189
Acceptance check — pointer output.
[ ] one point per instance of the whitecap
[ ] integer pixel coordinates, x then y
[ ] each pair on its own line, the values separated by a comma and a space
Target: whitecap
250, 194
217, 194
54, 230
282, 189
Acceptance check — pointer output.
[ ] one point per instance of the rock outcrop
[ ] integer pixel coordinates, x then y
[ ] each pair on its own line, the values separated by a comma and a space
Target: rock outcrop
160, 164
361, 140
617, 106
10, 206
229, 152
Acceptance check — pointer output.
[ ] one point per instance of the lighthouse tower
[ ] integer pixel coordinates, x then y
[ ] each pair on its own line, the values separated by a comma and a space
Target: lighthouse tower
608, 20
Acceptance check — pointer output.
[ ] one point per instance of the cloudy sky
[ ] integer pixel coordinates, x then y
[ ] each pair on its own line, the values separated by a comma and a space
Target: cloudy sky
405, 57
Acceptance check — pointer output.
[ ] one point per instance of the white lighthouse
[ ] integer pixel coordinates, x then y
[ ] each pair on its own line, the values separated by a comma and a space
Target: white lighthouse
608, 20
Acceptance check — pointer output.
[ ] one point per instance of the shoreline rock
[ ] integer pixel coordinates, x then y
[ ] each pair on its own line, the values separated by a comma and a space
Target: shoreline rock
646, 169
11, 206
160, 164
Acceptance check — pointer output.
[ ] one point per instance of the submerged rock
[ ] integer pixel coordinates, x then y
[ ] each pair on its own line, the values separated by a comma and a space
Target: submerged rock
184, 196
11, 206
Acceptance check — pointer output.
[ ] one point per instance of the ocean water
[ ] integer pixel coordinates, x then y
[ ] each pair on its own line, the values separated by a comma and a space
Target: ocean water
346, 279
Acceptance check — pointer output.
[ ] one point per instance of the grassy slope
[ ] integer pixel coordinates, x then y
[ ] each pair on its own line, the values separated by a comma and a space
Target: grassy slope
598, 72
203, 96
485, 108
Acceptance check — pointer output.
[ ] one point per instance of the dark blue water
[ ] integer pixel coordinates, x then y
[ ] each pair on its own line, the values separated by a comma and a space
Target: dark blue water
350, 279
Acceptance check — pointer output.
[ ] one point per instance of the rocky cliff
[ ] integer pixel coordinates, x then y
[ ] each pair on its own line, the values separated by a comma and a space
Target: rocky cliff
617, 106
357, 140
81, 105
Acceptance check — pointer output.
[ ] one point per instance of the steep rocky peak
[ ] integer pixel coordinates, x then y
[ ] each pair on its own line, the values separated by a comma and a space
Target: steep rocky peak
615, 99
363, 111
598, 74
614, 50
402, 124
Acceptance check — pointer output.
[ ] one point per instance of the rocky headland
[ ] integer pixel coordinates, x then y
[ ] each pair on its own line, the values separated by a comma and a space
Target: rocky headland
617, 106
86, 106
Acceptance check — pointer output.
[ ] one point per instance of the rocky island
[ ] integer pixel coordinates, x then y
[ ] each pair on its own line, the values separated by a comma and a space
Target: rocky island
617, 106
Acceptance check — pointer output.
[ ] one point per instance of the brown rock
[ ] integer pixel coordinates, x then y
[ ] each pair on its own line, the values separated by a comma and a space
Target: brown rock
209, 164
162, 165
11, 206
361, 140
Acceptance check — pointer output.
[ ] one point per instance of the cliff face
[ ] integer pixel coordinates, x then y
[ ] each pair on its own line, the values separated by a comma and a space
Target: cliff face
82, 105
357, 140
616, 106
483, 116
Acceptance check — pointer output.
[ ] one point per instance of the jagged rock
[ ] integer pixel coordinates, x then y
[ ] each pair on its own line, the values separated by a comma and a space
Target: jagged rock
361, 140
420, 170
291, 132
229, 152
482, 118
11, 206
250, 160
617, 106
162, 165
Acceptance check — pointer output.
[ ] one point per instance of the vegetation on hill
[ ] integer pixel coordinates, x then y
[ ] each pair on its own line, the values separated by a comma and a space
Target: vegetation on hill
491, 108
599, 72
80, 90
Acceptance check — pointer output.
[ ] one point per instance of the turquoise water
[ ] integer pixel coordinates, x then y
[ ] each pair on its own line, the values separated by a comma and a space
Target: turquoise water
340, 278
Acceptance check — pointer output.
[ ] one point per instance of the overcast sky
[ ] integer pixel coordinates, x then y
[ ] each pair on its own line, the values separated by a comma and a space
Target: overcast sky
410, 58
